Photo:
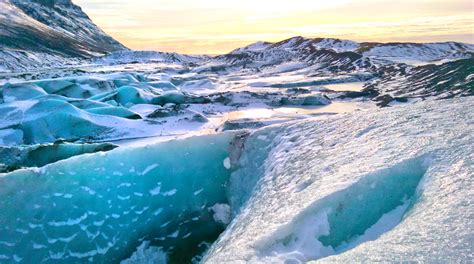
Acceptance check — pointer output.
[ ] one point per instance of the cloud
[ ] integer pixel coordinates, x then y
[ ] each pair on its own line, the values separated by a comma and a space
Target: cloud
215, 26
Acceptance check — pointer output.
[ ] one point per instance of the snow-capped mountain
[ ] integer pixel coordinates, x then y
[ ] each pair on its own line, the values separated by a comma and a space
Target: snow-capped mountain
296, 43
44, 32
320, 54
336, 55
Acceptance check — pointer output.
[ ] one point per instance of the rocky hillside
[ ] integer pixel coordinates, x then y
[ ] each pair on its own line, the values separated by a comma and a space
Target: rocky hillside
44, 32
401, 82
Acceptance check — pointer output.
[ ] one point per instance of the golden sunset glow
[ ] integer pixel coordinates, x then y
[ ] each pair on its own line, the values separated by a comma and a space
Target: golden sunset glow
213, 27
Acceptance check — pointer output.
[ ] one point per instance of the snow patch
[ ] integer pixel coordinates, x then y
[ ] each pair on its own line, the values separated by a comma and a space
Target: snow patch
221, 213
226, 163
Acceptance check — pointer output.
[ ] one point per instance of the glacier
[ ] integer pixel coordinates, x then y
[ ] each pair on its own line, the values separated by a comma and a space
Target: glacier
393, 187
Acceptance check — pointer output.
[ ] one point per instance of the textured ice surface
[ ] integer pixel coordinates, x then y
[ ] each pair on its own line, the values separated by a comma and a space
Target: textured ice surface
101, 207
392, 185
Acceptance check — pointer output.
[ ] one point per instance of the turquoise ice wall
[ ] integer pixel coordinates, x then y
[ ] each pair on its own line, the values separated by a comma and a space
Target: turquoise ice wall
100, 207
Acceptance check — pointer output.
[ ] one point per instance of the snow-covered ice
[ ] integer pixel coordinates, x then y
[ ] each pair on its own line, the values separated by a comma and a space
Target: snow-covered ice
381, 186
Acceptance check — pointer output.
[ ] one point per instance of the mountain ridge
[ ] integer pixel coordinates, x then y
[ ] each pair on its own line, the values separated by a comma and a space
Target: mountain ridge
383, 53
48, 32
359, 47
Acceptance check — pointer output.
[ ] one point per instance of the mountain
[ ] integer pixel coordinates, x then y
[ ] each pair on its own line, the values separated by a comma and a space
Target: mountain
327, 54
45, 32
321, 54
416, 53
450, 79
399, 71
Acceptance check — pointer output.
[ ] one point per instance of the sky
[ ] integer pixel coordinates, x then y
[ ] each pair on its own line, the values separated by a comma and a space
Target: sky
219, 26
